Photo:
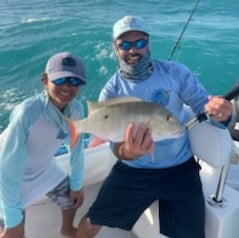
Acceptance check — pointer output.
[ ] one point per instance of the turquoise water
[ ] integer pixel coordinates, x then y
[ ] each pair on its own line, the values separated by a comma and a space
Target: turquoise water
31, 31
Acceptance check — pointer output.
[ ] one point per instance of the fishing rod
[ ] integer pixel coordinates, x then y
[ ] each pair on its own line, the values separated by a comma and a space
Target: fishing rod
184, 29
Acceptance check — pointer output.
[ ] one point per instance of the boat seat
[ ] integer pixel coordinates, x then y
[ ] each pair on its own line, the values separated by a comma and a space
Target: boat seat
210, 143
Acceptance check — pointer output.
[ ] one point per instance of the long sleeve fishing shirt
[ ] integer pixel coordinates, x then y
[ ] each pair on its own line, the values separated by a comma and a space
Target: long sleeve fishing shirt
28, 168
172, 85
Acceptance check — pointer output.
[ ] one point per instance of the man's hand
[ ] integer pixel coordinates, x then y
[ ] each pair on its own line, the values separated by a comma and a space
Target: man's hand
219, 108
137, 142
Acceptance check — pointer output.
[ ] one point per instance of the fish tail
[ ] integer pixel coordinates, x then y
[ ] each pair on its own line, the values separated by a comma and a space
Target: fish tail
74, 135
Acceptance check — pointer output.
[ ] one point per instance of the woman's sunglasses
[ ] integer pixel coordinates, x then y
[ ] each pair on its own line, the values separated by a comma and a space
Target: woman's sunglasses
75, 82
138, 44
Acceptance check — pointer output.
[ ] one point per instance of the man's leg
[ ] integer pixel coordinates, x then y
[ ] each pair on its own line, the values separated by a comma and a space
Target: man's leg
123, 197
86, 229
182, 210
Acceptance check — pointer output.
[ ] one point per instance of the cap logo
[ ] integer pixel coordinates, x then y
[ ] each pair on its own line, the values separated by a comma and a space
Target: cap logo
129, 21
69, 62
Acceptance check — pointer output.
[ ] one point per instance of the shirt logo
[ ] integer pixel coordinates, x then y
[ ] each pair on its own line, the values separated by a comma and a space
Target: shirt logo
69, 62
160, 96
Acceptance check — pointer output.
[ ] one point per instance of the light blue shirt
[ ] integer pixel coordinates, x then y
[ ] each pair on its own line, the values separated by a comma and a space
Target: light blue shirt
172, 85
28, 169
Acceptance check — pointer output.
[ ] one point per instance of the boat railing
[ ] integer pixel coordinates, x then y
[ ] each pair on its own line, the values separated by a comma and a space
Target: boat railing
217, 199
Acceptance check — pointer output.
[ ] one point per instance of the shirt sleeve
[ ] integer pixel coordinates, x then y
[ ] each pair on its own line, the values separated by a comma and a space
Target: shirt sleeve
77, 160
191, 90
77, 166
12, 165
195, 95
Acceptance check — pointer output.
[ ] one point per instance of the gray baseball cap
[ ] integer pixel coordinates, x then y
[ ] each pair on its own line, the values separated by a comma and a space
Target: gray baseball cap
129, 23
65, 64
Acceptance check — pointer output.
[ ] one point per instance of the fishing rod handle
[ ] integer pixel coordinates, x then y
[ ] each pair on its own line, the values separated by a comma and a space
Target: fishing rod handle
232, 93
204, 115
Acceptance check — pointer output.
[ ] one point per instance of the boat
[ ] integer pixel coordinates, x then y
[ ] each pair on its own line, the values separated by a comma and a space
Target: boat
213, 148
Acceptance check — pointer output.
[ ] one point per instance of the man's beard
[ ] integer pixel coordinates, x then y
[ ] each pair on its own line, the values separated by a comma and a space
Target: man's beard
136, 72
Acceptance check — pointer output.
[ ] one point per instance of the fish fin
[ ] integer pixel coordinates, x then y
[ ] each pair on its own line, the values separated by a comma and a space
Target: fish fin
121, 99
94, 106
74, 135
96, 141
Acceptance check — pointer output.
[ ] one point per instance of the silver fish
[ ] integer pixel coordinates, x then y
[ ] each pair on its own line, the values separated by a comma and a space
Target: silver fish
108, 120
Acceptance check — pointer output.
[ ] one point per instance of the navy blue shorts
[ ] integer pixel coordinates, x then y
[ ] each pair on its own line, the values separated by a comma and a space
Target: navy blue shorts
128, 191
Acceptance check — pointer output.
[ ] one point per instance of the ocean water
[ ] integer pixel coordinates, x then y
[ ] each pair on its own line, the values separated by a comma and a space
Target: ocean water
31, 31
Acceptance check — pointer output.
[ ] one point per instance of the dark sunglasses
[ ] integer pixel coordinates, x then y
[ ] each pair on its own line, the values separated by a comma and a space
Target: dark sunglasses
75, 82
138, 44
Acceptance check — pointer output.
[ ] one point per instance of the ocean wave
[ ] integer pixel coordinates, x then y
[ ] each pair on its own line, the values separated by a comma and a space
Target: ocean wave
41, 19
31, 31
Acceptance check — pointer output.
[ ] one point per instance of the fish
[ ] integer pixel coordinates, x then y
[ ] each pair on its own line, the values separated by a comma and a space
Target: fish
108, 120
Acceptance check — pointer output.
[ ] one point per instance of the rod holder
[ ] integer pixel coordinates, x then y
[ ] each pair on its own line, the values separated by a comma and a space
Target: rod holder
217, 200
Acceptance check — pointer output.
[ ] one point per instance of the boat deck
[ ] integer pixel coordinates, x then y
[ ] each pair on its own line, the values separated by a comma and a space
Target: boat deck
43, 219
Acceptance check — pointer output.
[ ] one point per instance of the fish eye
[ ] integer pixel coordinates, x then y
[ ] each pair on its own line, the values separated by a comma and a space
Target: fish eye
106, 116
168, 117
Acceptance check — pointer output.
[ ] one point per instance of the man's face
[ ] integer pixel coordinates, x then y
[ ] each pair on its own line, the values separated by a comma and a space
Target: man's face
132, 46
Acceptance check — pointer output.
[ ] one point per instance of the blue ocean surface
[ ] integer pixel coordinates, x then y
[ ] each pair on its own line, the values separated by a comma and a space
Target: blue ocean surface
31, 31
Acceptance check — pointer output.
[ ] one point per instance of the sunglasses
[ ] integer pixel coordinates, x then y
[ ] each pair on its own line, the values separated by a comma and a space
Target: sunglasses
75, 82
138, 44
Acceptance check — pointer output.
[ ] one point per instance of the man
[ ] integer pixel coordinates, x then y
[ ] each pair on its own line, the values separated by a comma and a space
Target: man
172, 177
36, 130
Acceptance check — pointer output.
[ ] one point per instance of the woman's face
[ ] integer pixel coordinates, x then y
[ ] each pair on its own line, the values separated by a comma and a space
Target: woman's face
61, 95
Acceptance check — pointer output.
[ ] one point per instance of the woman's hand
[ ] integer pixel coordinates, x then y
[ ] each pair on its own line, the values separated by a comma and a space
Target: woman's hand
13, 232
77, 198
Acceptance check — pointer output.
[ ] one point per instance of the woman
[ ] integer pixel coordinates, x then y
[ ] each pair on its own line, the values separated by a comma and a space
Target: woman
36, 130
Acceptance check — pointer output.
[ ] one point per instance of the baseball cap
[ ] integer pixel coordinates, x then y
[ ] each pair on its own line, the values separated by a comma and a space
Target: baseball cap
65, 64
129, 23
